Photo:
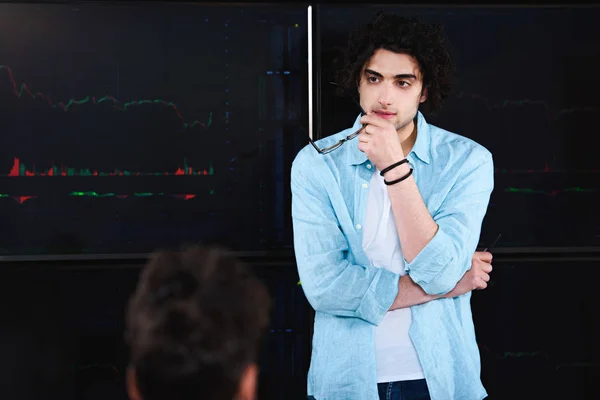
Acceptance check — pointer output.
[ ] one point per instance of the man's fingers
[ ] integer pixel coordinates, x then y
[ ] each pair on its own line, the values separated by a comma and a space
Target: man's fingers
485, 277
371, 129
362, 146
486, 267
483, 256
481, 265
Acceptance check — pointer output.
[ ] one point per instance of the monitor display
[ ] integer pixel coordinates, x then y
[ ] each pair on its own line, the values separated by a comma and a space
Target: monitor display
128, 127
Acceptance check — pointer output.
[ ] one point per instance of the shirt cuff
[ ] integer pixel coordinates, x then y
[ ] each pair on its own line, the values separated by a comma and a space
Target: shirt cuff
430, 261
379, 296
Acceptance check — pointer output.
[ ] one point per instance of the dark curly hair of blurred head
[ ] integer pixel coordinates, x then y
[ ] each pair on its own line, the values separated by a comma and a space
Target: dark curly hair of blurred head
194, 324
427, 43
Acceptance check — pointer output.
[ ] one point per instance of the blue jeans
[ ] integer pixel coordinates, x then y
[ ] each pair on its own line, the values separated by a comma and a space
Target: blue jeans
404, 390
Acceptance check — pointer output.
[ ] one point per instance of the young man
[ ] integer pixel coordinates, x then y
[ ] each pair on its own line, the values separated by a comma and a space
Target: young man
194, 325
386, 226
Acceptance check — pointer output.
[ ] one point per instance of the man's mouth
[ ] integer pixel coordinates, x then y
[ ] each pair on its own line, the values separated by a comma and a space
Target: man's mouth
385, 114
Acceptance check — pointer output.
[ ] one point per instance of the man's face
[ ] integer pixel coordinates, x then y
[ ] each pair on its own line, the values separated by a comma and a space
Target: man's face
391, 87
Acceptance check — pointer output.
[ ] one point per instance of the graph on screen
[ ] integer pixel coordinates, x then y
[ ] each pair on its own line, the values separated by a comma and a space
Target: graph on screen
525, 92
22, 89
130, 127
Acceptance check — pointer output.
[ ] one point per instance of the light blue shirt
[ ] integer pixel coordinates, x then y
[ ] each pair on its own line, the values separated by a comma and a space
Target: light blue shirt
455, 177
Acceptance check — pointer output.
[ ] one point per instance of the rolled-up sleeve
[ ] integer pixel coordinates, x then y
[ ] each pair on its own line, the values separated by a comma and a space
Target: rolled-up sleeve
447, 257
331, 283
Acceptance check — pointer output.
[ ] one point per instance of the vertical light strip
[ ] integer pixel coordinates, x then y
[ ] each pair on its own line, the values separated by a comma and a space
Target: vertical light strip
310, 75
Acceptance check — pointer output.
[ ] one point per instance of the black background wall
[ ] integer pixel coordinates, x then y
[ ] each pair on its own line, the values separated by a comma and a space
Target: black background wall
537, 326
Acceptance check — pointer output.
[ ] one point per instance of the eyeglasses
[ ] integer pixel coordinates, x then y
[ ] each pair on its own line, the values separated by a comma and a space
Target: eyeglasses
347, 138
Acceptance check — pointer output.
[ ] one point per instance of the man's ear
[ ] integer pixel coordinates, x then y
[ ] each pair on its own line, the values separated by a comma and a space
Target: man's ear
248, 383
424, 94
132, 386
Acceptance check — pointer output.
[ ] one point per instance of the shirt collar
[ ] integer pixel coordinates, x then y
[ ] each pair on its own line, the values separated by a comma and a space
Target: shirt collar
421, 148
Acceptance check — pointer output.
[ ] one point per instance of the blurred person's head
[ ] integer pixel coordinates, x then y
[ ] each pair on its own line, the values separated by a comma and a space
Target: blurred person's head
194, 327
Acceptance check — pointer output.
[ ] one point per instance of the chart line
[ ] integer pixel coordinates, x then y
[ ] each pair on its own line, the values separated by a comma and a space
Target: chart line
22, 89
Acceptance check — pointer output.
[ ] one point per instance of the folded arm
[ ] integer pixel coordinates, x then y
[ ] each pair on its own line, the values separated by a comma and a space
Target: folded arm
476, 278
334, 285
438, 249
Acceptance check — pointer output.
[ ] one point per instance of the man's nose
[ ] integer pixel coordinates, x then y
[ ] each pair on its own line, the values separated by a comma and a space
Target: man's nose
384, 96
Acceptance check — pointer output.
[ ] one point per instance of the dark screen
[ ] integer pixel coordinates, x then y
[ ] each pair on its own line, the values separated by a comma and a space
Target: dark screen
128, 127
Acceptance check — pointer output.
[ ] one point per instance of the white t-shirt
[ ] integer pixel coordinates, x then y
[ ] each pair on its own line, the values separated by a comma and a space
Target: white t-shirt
396, 356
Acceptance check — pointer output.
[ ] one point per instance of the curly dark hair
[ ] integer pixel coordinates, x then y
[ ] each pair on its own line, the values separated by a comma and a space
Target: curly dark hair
194, 323
427, 43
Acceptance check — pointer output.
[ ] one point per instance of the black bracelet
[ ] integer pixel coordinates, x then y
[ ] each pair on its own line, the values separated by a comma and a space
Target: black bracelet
393, 166
399, 179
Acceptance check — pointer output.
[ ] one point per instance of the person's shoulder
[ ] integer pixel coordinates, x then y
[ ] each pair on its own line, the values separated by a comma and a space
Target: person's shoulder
447, 144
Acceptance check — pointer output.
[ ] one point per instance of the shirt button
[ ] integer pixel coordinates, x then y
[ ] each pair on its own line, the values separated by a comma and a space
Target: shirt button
358, 226
364, 185
369, 166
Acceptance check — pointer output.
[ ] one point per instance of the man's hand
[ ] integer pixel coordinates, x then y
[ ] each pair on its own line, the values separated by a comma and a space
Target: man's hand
410, 294
380, 141
477, 277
